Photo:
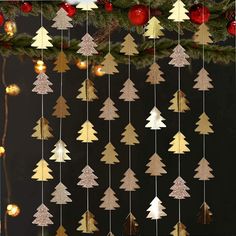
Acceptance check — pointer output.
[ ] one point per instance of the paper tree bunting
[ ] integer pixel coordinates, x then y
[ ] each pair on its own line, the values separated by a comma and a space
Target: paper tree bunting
204, 126
87, 46
129, 47
203, 170
129, 181
179, 103
61, 108
155, 74
109, 200
202, 36
87, 133
42, 216
87, 178
179, 57
42, 171
156, 210
60, 152
109, 155
203, 81
153, 29
61, 64
155, 120
42, 84
179, 189
61, 231
179, 230
42, 40
88, 224
155, 166
205, 215
131, 227
109, 65
61, 195
179, 12
42, 129
109, 111
129, 135
87, 5
129, 92
87, 92
179, 144
62, 20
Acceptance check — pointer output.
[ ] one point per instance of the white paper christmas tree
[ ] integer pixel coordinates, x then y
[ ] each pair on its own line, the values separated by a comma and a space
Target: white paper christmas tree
129, 92
62, 20
203, 170
42, 216
155, 166
61, 195
109, 111
60, 152
42, 40
155, 120
179, 12
42, 84
129, 181
153, 29
156, 210
87, 5
179, 189
109, 200
88, 178
87, 46
179, 57
203, 81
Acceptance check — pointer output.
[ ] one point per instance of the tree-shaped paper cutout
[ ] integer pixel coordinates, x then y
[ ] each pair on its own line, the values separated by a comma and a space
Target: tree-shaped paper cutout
87, 134
109, 65
129, 91
109, 155
179, 103
61, 108
110, 234
205, 215
153, 29
109, 201
129, 47
156, 210
61, 63
87, 5
131, 227
203, 81
109, 111
179, 144
155, 120
42, 84
203, 170
42, 129
179, 57
87, 179
60, 152
202, 36
129, 135
62, 20
88, 224
179, 230
155, 166
61, 231
87, 92
179, 189
129, 182
42, 40
87, 46
42, 171
179, 12
155, 74
42, 216
204, 126
61, 195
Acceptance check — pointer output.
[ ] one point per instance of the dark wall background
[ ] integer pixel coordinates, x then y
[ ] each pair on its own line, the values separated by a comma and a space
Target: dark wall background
24, 152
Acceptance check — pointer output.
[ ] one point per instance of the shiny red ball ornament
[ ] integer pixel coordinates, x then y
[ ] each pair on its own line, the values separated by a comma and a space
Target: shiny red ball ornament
108, 6
138, 15
199, 14
1, 19
231, 27
70, 9
26, 7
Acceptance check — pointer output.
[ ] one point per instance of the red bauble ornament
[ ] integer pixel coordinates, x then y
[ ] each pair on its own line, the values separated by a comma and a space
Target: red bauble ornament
199, 14
138, 15
71, 10
108, 6
231, 27
26, 7
1, 19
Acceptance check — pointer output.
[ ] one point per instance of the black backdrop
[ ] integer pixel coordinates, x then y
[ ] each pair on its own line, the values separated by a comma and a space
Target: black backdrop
24, 152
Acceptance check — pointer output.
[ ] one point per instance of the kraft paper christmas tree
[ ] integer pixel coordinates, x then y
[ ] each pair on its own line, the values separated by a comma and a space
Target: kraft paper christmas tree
155, 166
87, 179
109, 111
129, 181
87, 134
61, 231
61, 108
60, 152
109, 65
61, 195
155, 120
131, 227
88, 224
179, 189
87, 5
203, 170
179, 57
154, 29
42, 216
42, 129
42, 40
42, 84
179, 144
205, 215
129, 135
155, 74
204, 126
109, 155
202, 36
178, 13
129, 47
87, 46
61, 63
87, 92
62, 20
109, 201
156, 210
42, 171
129, 92
203, 81
179, 103
179, 230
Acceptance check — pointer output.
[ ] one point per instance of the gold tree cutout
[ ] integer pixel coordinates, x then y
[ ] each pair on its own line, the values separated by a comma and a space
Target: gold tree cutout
179, 230
204, 126
109, 155
205, 215
131, 226
179, 144
87, 92
129, 181
153, 29
109, 111
88, 224
61, 231
129, 47
109, 200
155, 74
203, 170
203, 81
61, 64
87, 134
155, 166
179, 103
129, 135
42, 171
61, 108
42, 129
109, 65
202, 36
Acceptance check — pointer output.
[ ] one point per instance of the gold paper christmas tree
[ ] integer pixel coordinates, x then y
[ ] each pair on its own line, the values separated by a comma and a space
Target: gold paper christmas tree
129, 181
179, 230
204, 126
42, 171
42, 40
205, 215
129, 135
203, 81
109, 110
88, 224
153, 29
60, 152
179, 57
109, 65
109, 200
61, 231
179, 103
129, 47
179, 189
203, 170
179, 144
61, 64
129, 92
131, 227
61, 108
87, 5
155, 74
87, 133
109, 155
62, 20
42, 129
155, 166
42, 216
87, 92
202, 36
156, 210
179, 12
61, 195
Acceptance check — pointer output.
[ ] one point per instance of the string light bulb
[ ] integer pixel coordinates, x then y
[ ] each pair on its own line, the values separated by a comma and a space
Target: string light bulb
97, 70
13, 90
10, 28
2, 151
13, 210
40, 67
82, 65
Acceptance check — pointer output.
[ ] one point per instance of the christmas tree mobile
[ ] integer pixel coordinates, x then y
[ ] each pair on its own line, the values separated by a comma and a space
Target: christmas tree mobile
129, 181
87, 134
203, 170
42, 216
61, 195
155, 166
179, 103
179, 144
179, 57
155, 120
109, 200
204, 126
60, 152
42, 129
109, 111
109, 65
42, 84
129, 92
87, 178
87, 223
129, 135
203, 81
87, 92
61, 63
109, 155
156, 210
61, 108
42, 171
87, 46
179, 189
62, 20
153, 28
155, 74
42, 40
179, 12
203, 36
